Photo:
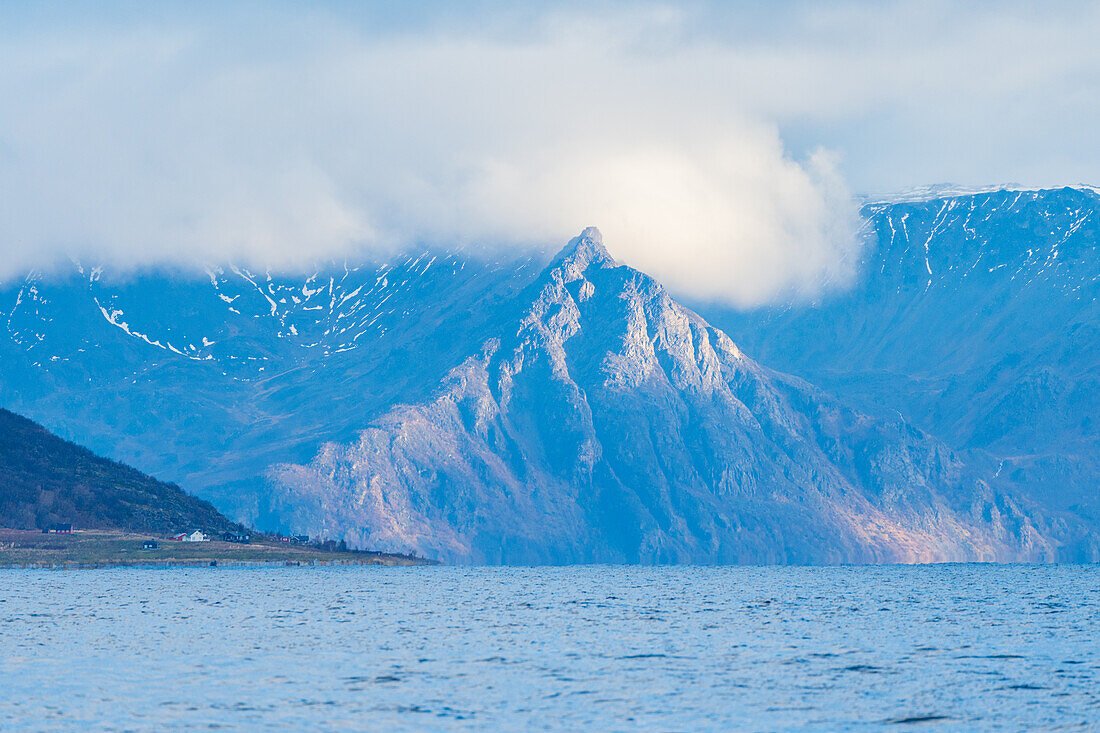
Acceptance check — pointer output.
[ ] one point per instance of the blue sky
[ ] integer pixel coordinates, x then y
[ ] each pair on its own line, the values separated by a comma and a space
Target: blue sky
717, 145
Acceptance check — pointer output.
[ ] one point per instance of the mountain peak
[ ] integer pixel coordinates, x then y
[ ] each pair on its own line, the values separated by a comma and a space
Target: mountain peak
583, 250
592, 233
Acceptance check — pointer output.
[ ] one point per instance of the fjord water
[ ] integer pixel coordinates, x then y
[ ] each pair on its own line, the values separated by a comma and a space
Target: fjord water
597, 647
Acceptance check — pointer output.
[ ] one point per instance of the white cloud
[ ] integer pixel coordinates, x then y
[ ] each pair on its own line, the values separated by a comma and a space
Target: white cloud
283, 136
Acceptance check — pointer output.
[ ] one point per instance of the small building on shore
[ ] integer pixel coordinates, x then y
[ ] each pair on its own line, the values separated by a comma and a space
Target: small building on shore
240, 538
196, 536
150, 545
59, 529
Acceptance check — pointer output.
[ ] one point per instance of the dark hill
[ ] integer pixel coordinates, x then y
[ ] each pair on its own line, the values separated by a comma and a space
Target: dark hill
46, 480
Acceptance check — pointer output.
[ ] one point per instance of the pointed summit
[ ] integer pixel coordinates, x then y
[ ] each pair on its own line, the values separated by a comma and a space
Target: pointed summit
582, 251
592, 233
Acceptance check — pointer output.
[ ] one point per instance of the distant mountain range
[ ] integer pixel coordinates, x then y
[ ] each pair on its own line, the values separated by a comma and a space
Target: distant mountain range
46, 481
572, 410
976, 318
207, 381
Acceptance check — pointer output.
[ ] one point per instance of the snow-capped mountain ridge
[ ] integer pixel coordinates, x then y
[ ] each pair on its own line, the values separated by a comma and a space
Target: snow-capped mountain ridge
937, 191
978, 319
964, 237
313, 316
230, 359
524, 411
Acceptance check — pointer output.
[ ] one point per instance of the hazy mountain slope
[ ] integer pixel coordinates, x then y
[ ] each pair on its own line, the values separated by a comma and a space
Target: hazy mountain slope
506, 413
208, 380
612, 424
45, 480
977, 318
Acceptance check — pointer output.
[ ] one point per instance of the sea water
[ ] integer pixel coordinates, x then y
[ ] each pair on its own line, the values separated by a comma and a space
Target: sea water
958, 647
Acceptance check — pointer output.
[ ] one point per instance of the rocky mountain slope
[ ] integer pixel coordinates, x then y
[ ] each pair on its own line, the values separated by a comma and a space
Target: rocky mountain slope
208, 380
45, 480
520, 411
977, 318
614, 425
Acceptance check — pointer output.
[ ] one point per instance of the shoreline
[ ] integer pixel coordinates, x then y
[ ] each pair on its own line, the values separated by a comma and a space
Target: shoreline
101, 549
213, 565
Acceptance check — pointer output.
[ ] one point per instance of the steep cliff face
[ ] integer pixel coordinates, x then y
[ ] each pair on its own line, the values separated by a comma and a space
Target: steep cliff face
611, 424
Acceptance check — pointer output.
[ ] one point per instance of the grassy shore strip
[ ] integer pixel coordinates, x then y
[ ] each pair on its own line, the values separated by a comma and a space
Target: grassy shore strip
105, 549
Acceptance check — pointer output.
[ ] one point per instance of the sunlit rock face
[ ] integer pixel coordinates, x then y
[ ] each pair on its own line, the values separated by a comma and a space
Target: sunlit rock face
611, 424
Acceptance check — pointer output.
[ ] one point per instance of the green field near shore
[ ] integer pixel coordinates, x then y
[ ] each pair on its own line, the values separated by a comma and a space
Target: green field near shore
105, 548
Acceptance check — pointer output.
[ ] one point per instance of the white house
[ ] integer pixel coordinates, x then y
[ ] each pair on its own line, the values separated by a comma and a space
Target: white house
196, 536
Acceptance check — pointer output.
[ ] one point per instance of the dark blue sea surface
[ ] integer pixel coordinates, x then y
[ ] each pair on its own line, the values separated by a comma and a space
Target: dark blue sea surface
958, 647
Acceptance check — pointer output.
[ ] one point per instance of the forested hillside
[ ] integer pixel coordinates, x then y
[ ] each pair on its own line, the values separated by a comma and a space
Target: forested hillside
46, 480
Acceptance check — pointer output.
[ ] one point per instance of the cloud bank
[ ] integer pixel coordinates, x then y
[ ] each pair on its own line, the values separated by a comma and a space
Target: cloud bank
277, 136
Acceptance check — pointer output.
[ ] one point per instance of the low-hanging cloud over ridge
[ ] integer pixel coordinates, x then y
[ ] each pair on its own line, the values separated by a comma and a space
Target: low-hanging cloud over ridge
276, 136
